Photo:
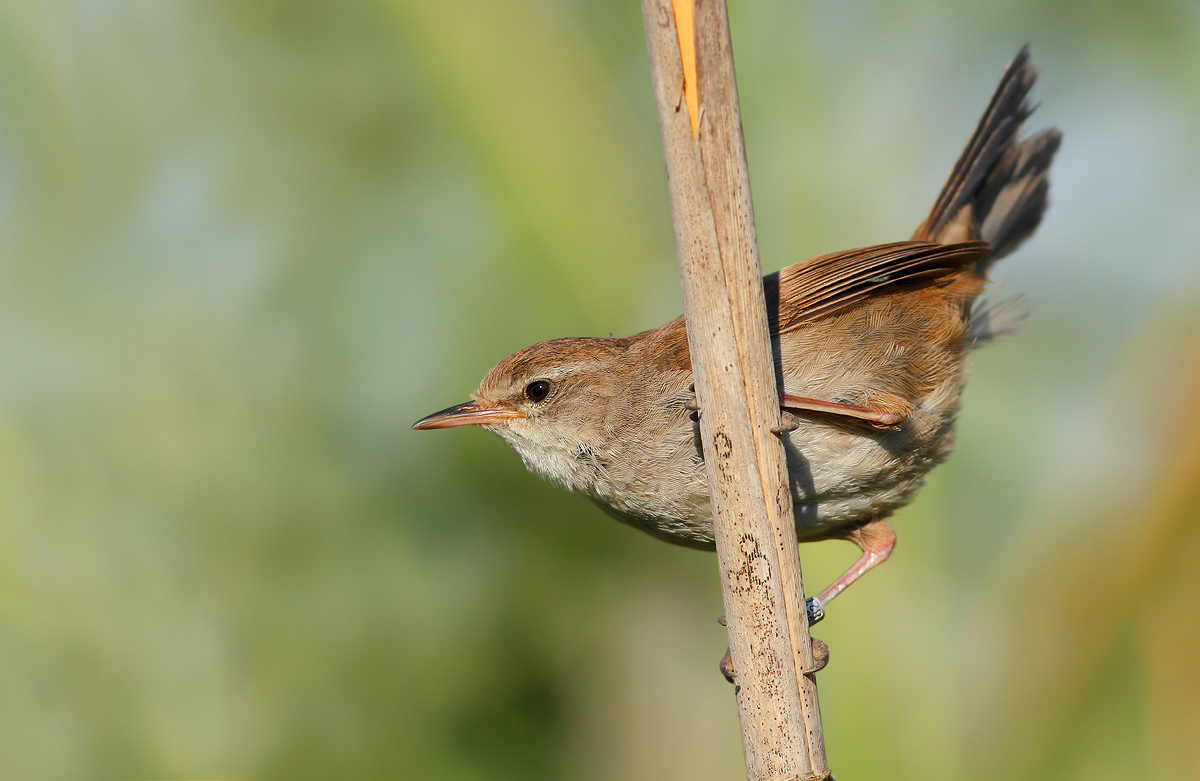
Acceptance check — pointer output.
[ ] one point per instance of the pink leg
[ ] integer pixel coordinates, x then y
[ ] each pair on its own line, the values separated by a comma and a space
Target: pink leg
881, 418
876, 540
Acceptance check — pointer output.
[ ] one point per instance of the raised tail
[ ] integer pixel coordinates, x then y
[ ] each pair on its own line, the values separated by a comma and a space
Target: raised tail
997, 190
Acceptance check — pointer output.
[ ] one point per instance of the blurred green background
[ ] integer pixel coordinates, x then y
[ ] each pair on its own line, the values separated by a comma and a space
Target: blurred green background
245, 244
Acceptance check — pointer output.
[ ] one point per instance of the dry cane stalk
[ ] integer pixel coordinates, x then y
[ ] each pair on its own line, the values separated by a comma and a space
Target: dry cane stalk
735, 386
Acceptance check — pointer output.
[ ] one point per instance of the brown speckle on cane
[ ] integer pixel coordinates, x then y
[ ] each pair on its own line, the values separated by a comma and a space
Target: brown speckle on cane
755, 569
722, 444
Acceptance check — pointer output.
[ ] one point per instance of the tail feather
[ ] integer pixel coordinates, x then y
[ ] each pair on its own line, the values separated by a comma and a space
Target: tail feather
998, 188
1013, 199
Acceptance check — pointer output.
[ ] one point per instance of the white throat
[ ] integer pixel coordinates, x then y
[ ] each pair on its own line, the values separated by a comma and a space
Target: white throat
556, 460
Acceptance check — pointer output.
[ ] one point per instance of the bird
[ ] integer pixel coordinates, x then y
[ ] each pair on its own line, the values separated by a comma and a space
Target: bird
870, 347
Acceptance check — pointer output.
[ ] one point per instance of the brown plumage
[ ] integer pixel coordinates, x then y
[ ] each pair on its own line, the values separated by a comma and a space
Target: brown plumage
869, 343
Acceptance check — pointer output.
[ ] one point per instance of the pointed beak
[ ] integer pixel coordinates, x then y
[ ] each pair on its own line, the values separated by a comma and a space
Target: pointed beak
468, 414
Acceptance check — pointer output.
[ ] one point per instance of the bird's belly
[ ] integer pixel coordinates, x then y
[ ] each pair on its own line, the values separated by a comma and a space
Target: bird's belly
840, 478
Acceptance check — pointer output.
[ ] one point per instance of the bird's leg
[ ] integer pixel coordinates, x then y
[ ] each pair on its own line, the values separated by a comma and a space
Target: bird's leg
887, 412
876, 540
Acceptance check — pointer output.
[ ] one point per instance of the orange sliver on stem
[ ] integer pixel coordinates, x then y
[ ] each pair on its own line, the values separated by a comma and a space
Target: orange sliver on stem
685, 28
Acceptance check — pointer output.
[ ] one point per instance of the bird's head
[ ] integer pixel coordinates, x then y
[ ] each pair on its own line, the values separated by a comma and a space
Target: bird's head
549, 402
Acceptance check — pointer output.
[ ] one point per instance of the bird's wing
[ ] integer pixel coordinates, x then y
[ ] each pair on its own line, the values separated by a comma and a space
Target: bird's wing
831, 283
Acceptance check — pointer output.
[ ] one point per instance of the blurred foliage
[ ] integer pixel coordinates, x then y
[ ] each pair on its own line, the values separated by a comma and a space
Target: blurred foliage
243, 245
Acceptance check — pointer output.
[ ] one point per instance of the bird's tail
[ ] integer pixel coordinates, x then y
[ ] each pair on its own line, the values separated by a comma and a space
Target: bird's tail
997, 190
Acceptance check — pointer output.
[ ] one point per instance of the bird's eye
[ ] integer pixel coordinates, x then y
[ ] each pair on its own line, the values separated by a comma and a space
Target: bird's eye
537, 390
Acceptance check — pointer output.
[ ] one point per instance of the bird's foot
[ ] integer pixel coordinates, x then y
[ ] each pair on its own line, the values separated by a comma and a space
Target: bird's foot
693, 406
726, 664
789, 423
727, 667
820, 653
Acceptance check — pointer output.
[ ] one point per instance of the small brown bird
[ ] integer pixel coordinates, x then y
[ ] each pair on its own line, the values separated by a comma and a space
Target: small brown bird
870, 345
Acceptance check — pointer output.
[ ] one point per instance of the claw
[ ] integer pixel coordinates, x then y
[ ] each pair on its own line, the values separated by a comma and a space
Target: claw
727, 667
726, 660
788, 424
693, 407
820, 653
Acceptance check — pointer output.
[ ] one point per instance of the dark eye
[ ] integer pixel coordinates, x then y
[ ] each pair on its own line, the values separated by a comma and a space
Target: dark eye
537, 390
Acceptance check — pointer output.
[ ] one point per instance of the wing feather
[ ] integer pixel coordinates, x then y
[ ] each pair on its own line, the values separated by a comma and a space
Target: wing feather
831, 283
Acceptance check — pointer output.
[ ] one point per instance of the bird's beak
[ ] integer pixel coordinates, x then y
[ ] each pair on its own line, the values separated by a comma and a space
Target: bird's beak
468, 414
